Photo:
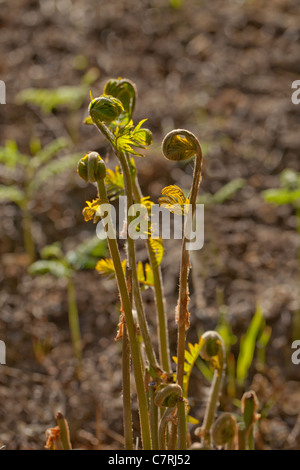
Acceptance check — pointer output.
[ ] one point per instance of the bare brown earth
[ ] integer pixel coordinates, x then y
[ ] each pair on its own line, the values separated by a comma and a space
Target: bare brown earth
221, 69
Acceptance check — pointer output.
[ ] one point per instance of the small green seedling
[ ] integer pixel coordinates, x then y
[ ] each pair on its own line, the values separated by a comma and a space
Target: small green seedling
65, 266
23, 175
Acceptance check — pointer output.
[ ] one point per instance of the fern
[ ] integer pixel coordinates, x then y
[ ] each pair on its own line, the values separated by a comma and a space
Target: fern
157, 248
145, 278
173, 199
145, 275
114, 181
190, 357
129, 136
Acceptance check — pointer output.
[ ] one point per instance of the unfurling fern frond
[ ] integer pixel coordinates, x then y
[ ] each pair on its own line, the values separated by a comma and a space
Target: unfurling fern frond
114, 181
129, 136
157, 248
106, 267
145, 275
173, 199
90, 211
190, 357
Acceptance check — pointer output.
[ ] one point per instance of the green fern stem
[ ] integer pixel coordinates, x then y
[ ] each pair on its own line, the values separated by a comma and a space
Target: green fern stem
153, 365
154, 368
164, 348
134, 347
210, 410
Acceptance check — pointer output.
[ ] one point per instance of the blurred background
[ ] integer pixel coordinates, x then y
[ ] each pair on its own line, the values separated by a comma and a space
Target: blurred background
224, 71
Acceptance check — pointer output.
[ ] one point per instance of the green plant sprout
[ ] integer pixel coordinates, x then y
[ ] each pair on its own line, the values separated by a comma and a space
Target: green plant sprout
64, 266
289, 193
23, 176
162, 394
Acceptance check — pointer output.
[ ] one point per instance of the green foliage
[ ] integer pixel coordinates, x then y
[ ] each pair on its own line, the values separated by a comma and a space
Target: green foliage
57, 268
145, 274
114, 182
11, 194
60, 265
173, 199
248, 344
129, 136
222, 195
191, 355
177, 4
35, 169
158, 249
25, 174
70, 97
10, 155
125, 91
87, 254
288, 192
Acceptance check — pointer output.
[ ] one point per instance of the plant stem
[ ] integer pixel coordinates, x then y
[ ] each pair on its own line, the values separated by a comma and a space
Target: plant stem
182, 306
164, 349
135, 351
172, 436
74, 322
64, 431
154, 368
153, 417
163, 427
242, 439
210, 410
127, 415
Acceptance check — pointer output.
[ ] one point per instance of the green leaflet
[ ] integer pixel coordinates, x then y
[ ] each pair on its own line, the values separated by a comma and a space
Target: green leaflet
56, 268
145, 275
157, 249
11, 193
173, 199
190, 355
248, 343
129, 136
114, 182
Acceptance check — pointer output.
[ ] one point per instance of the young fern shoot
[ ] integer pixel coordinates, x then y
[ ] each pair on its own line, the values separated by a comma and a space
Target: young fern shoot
181, 145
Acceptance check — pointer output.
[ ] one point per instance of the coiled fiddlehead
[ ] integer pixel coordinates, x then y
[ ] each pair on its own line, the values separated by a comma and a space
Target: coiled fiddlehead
213, 351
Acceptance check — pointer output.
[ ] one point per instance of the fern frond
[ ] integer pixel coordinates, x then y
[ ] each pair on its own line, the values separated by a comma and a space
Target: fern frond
114, 181
145, 277
157, 248
106, 267
190, 357
173, 199
129, 136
